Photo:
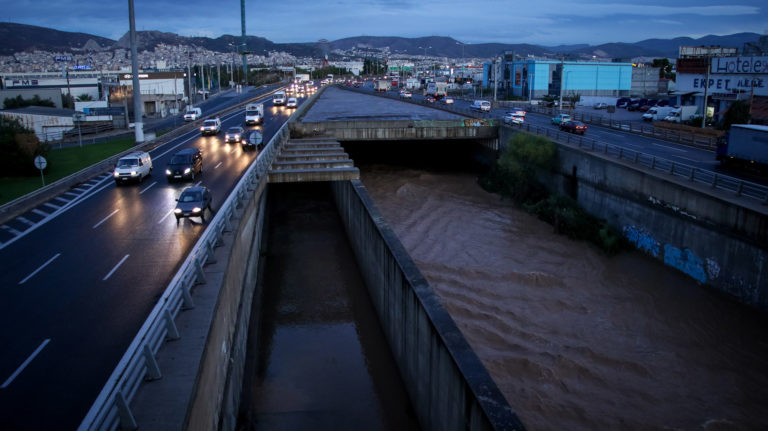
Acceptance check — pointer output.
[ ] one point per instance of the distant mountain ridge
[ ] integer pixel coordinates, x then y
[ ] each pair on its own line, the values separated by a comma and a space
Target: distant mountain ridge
22, 37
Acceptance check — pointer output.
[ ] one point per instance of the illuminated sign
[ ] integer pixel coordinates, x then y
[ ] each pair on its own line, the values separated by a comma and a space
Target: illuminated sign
730, 65
19, 82
62, 58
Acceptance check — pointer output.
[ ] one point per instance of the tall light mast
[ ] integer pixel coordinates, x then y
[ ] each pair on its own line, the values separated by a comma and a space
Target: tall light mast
243, 45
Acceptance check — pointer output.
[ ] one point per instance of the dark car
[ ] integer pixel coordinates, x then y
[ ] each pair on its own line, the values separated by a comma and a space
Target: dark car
429, 99
192, 203
234, 134
254, 141
185, 164
573, 127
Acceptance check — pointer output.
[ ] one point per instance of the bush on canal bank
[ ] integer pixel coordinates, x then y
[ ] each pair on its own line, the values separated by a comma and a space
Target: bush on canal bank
515, 176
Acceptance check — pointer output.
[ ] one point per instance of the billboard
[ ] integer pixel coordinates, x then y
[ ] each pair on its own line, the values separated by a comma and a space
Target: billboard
739, 65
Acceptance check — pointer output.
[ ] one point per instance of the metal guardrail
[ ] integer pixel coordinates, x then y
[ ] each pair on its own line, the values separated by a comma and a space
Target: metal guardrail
111, 408
722, 182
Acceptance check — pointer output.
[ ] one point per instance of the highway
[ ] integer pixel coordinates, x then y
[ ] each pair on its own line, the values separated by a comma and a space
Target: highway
77, 287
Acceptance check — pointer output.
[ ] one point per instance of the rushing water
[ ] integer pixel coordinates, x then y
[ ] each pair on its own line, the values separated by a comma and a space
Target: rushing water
574, 339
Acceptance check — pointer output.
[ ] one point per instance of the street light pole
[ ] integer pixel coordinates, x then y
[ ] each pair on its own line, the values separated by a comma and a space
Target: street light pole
138, 125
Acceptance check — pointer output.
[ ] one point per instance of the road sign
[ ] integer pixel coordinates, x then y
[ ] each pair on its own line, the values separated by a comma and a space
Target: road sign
40, 162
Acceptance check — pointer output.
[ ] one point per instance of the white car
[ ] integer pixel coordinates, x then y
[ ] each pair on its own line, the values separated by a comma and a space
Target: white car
448, 100
481, 105
132, 167
291, 103
406, 94
514, 118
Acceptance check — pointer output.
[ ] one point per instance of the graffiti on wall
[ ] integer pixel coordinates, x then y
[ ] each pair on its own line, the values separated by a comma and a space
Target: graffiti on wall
642, 240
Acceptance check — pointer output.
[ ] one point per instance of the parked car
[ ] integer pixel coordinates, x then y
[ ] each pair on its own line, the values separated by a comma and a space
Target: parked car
254, 141
573, 126
622, 102
185, 164
600, 105
234, 134
561, 118
291, 103
193, 202
132, 167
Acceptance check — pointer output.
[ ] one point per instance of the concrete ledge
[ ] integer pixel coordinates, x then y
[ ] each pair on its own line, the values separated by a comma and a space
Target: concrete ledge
303, 175
449, 387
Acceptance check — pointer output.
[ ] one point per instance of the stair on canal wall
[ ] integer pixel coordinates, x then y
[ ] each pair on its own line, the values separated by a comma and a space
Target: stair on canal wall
312, 159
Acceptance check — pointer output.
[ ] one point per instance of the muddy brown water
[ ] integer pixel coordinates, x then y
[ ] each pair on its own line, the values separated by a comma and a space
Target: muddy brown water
574, 339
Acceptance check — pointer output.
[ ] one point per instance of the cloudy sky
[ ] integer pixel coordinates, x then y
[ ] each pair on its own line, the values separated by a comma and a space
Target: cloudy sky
545, 22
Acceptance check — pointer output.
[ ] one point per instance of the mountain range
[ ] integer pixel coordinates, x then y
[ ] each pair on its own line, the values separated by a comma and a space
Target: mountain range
22, 37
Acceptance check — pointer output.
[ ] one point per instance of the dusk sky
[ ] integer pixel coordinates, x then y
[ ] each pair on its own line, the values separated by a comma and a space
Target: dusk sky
476, 21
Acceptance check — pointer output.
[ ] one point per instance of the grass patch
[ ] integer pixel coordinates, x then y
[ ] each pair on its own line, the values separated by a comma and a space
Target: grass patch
61, 163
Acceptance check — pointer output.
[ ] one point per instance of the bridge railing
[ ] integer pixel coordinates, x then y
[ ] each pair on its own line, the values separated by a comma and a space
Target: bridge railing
111, 408
715, 180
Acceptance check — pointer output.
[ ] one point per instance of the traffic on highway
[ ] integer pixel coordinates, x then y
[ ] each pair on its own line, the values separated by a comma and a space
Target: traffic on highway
78, 285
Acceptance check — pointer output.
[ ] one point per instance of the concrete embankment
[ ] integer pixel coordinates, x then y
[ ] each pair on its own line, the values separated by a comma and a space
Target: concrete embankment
717, 239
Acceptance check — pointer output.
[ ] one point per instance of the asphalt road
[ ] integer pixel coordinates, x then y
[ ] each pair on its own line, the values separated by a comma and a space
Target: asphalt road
75, 290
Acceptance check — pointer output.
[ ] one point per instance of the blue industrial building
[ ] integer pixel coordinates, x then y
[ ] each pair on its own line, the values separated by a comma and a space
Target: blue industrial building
532, 79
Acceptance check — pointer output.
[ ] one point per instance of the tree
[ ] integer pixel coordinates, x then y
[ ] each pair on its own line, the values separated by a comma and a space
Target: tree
665, 68
738, 113
67, 101
20, 102
18, 148
85, 97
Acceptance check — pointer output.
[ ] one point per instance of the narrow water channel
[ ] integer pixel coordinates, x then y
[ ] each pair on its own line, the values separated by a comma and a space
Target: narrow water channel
320, 359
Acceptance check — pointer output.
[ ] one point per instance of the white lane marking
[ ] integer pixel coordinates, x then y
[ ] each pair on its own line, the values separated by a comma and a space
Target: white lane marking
115, 268
62, 199
106, 218
11, 230
40, 213
148, 187
73, 193
39, 268
198, 183
25, 220
165, 216
217, 166
671, 148
48, 204
24, 365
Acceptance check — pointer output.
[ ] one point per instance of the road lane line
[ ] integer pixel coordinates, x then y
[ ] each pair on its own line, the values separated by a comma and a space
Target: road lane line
115, 268
48, 204
148, 187
106, 218
24, 365
11, 230
40, 268
165, 216
198, 183
217, 166
40, 213
25, 220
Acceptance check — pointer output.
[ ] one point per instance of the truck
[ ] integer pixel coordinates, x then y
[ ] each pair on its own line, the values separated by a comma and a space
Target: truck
301, 77
381, 85
744, 146
279, 98
438, 90
681, 114
254, 113
657, 113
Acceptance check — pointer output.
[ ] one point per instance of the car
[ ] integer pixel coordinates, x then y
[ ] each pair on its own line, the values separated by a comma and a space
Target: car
448, 100
513, 118
185, 164
600, 105
192, 114
254, 141
561, 118
193, 202
429, 99
132, 167
211, 126
406, 94
517, 111
291, 103
480, 105
573, 126
234, 134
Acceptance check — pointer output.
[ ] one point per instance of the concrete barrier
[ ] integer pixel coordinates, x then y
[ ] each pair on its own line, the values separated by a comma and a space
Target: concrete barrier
711, 236
449, 387
397, 130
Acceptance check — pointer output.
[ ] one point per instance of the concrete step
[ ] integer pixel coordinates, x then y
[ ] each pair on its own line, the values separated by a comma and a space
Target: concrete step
291, 145
313, 164
304, 150
304, 157
312, 175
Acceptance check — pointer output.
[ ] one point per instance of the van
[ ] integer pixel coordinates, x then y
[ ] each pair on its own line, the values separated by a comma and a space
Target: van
279, 98
132, 167
185, 164
254, 113
481, 105
192, 114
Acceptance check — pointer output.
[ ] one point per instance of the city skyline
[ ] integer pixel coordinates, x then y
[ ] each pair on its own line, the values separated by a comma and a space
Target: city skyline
484, 21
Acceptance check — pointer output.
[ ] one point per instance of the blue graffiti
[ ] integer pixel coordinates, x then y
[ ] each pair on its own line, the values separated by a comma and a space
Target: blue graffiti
642, 239
685, 261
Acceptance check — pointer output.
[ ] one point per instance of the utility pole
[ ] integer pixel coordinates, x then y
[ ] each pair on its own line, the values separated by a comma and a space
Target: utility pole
189, 79
202, 77
562, 77
244, 50
138, 127
706, 93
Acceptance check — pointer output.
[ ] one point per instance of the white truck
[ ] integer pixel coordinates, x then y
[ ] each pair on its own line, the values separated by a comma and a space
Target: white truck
438, 90
745, 146
301, 77
657, 113
382, 85
682, 114
254, 113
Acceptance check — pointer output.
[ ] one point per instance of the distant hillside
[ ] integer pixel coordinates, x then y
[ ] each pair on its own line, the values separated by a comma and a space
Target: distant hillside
22, 37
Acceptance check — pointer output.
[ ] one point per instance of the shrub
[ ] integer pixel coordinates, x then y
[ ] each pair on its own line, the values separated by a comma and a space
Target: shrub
18, 148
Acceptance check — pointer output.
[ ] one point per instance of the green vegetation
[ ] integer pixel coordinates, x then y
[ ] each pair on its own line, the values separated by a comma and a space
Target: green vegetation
61, 163
20, 102
515, 176
738, 113
18, 148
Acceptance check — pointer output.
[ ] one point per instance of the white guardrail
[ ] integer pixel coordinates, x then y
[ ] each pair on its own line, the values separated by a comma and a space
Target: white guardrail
111, 408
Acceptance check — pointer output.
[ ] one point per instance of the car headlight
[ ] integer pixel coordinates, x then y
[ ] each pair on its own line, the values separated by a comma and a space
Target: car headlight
116, 174
226, 136
177, 211
202, 129
196, 210
237, 136
167, 172
188, 170
134, 173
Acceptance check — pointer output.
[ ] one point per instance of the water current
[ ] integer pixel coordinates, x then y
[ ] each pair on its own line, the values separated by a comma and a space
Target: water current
574, 339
